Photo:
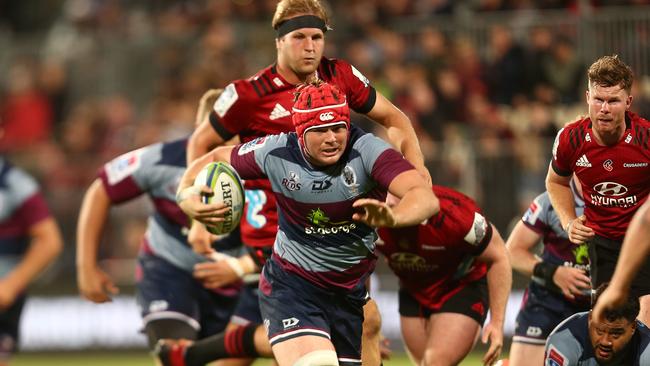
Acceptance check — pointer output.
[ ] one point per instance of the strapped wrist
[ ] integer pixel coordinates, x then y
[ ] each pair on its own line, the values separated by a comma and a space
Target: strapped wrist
545, 271
568, 225
235, 266
186, 192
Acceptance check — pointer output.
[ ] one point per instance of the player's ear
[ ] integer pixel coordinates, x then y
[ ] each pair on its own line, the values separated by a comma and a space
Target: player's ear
628, 102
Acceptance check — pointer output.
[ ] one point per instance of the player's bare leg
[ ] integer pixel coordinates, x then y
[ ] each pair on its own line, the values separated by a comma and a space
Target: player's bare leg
441, 347
414, 335
524, 354
370, 352
289, 352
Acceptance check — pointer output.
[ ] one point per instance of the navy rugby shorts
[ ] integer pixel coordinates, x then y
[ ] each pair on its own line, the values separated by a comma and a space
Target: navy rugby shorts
292, 307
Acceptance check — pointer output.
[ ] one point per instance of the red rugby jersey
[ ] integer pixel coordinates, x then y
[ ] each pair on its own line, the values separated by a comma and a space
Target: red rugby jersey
261, 106
437, 259
615, 179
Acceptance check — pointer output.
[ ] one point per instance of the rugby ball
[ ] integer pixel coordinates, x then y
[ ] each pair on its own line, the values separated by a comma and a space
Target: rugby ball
227, 187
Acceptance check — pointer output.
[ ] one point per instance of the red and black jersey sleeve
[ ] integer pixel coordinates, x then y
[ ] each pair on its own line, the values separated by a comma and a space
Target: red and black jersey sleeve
360, 94
567, 144
231, 111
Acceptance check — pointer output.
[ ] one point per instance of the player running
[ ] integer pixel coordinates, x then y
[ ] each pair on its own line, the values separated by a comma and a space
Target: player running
261, 105
173, 303
313, 287
452, 268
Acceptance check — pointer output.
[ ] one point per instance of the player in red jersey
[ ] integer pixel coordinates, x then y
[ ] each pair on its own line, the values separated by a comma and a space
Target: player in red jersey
447, 266
608, 151
261, 105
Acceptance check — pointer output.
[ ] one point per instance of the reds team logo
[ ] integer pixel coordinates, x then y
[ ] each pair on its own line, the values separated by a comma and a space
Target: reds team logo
610, 189
608, 165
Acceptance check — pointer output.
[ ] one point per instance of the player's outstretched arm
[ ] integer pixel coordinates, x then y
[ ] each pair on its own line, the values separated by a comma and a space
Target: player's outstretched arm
400, 133
45, 245
417, 203
634, 252
188, 196
94, 284
499, 278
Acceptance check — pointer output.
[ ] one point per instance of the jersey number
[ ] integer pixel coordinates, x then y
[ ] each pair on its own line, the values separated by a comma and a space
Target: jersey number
255, 199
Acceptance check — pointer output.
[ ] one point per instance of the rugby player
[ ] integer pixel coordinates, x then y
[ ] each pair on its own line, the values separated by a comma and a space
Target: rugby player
609, 153
313, 287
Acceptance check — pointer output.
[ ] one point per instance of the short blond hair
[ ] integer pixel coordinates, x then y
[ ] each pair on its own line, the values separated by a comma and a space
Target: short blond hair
287, 9
611, 71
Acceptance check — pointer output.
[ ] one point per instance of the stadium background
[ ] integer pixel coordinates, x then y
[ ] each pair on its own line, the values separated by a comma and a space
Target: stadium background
487, 84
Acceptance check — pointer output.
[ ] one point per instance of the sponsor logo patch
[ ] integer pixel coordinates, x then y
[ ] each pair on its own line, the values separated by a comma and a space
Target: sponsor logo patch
360, 76
556, 358
251, 146
327, 116
278, 112
123, 166
477, 232
583, 162
226, 100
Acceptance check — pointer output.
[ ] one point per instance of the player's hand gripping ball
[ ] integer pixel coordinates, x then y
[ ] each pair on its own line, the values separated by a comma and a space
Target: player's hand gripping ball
227, 187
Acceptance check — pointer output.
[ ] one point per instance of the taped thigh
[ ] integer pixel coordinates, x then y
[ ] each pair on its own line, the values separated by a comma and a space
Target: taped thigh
318, 358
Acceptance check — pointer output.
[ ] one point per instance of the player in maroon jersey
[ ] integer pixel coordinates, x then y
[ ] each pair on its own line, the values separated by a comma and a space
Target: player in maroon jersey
447, 266
260, 105
608, 151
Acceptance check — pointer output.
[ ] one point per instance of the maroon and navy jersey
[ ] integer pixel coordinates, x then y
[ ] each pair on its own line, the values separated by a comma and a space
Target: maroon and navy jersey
615, 179
317, 238
21, 206
437, 258
261, 106
155, 171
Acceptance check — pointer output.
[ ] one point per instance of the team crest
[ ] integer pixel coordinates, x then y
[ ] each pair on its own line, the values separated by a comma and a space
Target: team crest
608, 165
349, 177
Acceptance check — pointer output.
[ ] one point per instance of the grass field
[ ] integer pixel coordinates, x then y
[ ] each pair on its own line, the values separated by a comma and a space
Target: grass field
140, 358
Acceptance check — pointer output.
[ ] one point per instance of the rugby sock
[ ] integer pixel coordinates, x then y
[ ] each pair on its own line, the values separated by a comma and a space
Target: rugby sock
236, 343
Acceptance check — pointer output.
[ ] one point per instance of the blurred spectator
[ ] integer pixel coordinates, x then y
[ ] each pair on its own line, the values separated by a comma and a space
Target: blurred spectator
26, 112
504, 72
564, 72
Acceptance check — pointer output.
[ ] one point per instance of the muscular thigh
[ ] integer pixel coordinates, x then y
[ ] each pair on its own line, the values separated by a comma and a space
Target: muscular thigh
288, 352
450, 337
414, 334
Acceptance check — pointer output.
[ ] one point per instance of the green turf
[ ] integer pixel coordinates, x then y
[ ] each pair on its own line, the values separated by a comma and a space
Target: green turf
140, 358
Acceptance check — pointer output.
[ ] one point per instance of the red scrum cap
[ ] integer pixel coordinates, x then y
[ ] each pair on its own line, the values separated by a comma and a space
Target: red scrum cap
319, 104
